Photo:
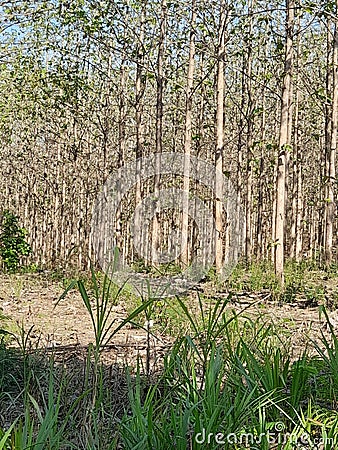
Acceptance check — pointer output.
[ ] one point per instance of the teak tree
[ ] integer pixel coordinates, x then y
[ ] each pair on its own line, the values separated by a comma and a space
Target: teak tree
219, 188
284, 143
332, 147
188, 138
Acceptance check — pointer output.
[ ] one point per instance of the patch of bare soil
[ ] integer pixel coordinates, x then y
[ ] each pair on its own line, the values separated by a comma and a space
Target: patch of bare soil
30, 302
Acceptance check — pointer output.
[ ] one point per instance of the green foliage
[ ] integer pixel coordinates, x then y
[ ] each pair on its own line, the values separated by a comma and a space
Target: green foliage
11, 370
5, 438
304, 280
141, 266
13, 243
240, 386
224, 373
99, 300
254, 277
168, 269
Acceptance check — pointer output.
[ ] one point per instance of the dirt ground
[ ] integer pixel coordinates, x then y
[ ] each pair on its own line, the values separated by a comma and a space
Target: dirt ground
29, 302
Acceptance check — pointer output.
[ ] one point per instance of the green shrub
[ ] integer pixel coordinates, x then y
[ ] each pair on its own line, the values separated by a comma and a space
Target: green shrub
13, 244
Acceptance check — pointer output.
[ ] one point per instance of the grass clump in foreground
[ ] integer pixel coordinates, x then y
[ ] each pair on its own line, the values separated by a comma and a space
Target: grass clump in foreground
227, 382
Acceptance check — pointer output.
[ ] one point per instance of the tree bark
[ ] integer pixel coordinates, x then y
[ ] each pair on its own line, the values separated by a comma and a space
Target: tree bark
219, 142
331, 157
139, 93
284, 135
188, 139
159, 134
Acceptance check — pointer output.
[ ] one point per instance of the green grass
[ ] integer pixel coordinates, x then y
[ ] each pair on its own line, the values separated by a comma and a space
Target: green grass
244, 390
227, 378
304, 280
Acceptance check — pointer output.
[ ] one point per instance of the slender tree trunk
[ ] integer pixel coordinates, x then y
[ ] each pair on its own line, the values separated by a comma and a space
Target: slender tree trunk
188, 139
331, 157
297, 200
328, 123
121, 236
139, 93
249, 142
297, 207
220, 142
259, 225
284, 135
159, 133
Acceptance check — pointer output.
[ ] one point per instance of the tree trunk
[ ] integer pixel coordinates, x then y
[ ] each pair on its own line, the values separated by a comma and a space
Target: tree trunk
188, 140
284, 134
331, 157
139, 93
159, 133
219, 142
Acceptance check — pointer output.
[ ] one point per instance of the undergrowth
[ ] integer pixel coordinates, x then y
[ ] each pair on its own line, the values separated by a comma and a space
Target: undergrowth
227, 381
304, 280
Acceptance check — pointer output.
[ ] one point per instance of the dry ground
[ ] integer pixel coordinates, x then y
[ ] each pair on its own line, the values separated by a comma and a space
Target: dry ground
29, 302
